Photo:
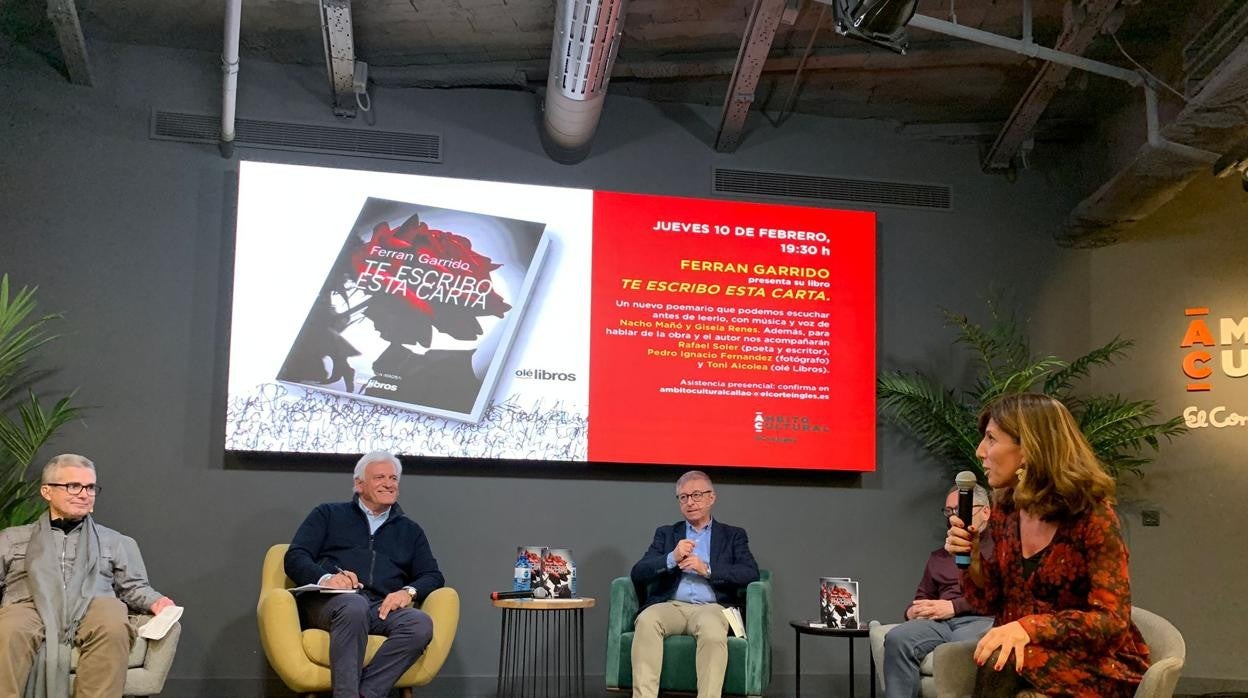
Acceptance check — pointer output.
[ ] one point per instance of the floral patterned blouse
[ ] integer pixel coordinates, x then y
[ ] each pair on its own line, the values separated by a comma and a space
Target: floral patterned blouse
1076, 606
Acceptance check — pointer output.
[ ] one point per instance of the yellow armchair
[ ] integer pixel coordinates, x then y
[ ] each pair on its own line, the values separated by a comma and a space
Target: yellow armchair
301, 657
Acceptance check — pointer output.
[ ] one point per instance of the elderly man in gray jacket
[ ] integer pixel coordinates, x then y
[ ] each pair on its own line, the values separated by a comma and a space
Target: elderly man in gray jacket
65, 582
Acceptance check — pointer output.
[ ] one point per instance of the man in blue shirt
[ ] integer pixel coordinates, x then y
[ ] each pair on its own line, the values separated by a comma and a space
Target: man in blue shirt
693, 569
370, 545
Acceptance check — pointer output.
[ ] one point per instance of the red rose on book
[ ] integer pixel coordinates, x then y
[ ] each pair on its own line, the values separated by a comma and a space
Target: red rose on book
448, 291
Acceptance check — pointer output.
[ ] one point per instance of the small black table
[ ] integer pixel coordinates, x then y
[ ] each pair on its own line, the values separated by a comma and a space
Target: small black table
542, 647
803, 627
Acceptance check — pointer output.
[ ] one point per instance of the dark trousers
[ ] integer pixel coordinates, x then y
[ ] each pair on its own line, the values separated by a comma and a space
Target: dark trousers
350, 619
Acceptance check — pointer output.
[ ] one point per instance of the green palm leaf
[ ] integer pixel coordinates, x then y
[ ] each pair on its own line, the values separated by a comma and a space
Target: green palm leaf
931, 415
1124, 433
1060, 382
26, 425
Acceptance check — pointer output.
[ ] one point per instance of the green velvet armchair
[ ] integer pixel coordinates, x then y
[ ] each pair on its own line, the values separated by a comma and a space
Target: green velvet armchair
749, 659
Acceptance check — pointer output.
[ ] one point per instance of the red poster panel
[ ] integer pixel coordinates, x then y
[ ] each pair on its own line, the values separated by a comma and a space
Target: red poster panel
728, 333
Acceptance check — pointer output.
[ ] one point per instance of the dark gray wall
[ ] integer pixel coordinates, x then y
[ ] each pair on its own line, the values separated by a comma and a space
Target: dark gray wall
131, 238
1191, 568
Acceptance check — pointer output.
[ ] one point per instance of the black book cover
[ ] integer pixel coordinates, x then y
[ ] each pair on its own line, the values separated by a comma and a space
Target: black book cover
420, 308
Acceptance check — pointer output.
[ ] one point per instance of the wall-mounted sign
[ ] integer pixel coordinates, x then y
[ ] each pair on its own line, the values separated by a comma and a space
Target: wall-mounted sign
1216, 354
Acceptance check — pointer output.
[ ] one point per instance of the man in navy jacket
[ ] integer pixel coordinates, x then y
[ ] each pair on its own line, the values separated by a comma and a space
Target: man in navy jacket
693, 569
369, 545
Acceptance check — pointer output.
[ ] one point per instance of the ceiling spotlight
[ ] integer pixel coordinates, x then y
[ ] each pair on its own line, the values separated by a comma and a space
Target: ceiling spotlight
880, 22
1234, 160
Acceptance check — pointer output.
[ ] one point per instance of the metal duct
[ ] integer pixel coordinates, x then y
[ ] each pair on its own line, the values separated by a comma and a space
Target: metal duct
1212, 121
587, 36
229, 74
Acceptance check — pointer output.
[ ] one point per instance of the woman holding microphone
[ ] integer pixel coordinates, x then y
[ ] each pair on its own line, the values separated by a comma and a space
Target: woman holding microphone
1057, 579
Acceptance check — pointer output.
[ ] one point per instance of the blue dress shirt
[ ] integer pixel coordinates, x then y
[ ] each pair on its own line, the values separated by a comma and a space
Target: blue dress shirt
694, 588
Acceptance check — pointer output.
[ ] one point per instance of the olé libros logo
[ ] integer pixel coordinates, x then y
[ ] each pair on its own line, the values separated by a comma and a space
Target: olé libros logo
1210, 360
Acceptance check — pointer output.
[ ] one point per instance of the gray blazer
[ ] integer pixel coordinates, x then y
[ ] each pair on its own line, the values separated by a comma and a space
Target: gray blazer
122, 573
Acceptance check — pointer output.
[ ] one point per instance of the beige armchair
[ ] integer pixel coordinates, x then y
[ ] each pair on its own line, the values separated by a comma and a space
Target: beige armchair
954, 664
301, 657
147, 667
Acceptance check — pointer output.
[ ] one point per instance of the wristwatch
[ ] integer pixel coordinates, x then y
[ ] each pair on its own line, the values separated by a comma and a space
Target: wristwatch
411, 593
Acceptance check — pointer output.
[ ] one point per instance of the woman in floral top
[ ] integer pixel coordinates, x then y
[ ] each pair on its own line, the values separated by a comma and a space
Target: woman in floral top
1057, 578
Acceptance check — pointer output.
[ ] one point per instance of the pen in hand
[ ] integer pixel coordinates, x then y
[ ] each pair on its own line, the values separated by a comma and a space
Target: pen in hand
355, 582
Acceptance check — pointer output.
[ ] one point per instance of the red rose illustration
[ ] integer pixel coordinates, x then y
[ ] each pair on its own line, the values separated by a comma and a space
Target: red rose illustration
448, 291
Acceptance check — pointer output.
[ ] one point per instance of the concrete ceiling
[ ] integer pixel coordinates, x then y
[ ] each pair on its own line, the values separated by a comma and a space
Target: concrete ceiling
685, 51
673, 50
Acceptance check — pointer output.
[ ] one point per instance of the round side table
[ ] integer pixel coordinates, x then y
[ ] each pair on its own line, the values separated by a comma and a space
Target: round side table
542, 647
803, 627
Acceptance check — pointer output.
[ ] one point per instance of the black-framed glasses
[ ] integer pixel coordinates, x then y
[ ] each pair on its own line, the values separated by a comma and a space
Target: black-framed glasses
695, 496
76, 488
950, 511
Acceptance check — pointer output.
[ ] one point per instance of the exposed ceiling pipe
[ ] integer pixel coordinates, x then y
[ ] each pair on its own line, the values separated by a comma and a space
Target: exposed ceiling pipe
1075, 38
587, 37
1026, 48
1157, 140
229, 71
1214, 120
1162, 166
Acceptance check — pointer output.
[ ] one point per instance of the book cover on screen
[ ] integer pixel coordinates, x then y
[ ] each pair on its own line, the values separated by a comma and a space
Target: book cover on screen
419, 309
839, 604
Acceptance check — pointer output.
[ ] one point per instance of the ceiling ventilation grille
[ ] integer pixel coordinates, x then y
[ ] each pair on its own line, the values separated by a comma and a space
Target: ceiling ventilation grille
818, 188
311, 138
1219, 37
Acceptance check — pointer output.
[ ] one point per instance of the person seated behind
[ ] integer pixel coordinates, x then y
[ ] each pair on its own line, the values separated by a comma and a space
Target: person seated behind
938, 614
1057, 577
65, 571
693, 569
367, 544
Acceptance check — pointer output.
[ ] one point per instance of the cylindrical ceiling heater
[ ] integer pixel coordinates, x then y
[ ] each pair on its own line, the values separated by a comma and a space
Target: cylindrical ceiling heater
587, 36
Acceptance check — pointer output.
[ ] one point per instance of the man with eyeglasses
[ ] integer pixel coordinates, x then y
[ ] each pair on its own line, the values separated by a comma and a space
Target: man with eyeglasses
67, 582
938, 614
693, 569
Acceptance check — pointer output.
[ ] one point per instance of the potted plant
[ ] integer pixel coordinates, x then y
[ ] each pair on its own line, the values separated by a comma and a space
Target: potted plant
944, 420
26, 424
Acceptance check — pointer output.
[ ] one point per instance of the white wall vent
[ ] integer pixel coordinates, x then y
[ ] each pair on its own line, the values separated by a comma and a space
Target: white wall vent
310, 138
811, 188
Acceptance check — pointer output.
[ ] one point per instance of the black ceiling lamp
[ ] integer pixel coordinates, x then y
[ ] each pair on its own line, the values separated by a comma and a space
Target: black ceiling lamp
879, 22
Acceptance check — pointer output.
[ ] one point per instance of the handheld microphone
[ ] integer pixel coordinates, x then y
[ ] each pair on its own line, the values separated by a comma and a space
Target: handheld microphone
965, 481
538, 593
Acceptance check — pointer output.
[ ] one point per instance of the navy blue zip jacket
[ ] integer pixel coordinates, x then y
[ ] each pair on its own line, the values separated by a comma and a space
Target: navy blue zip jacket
335, 535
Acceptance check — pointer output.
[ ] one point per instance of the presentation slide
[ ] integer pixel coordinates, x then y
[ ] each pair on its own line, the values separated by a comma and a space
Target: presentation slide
484, 320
